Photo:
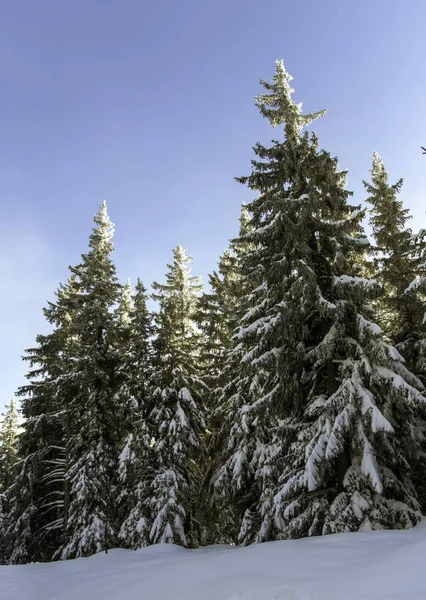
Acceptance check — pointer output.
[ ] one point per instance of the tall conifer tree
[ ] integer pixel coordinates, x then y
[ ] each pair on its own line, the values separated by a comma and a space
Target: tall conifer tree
94, 411
220, 312
8, 458
323, 429
37, 496
397, 265
136, 467
8, 445
177, 416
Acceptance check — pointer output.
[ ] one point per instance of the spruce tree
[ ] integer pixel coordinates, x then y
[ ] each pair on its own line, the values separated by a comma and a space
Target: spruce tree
177, 416
136, 461
92, 449
122, 340
3, 525
323, 427
76, 416
37, 497
8, 459
396, 266
123, 315
220, 311
8, 445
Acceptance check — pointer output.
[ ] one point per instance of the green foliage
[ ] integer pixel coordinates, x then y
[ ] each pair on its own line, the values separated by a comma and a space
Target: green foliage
8, 445
398, 266
93, 415
9, 427
36, 496
136, 462
177, 415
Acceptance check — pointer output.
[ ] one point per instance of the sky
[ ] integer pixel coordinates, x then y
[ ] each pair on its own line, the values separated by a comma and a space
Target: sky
149, 106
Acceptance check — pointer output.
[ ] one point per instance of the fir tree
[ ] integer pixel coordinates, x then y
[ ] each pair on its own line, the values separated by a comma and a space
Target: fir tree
323, 425
136, 461
92, 449
177, 416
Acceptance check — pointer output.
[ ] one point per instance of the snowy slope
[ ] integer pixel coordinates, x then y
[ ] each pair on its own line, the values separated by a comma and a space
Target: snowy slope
362, 566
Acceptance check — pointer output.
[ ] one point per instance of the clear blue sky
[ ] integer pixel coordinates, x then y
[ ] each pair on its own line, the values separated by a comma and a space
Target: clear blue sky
149, 105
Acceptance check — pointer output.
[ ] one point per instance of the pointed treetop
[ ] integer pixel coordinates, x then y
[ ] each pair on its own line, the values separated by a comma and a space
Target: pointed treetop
280, 108
181, 266
127, 289
388, 215
378, 169
103, 233
380, 175
179, 254
139, 287
11, 409
178, 277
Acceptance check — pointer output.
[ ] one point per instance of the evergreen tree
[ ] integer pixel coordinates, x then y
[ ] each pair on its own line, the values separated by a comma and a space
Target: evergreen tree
8, 445
396, 266
177, 416
123, 334
3, 525
92, 449
399, 267
136, 460
216, 321
8, 459
123, 314
36, 498
220, 311
323, 427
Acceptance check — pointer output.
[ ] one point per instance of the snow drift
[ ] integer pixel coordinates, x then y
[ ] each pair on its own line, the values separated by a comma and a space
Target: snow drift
388, 565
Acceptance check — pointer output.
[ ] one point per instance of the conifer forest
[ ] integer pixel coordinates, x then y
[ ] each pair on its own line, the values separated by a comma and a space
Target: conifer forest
284, 400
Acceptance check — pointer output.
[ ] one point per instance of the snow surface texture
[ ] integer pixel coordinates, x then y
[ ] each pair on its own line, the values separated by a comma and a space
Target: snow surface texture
355, 566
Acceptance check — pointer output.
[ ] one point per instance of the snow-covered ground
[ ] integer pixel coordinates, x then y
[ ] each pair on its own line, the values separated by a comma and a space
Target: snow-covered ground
361, 566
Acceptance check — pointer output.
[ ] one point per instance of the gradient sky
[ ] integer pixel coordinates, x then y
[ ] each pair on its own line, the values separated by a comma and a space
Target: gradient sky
149, 105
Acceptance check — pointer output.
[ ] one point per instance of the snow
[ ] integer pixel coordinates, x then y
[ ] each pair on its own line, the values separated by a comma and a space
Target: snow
348, 280
372, 565
268, 225
299, 199
368, 463
414, 285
